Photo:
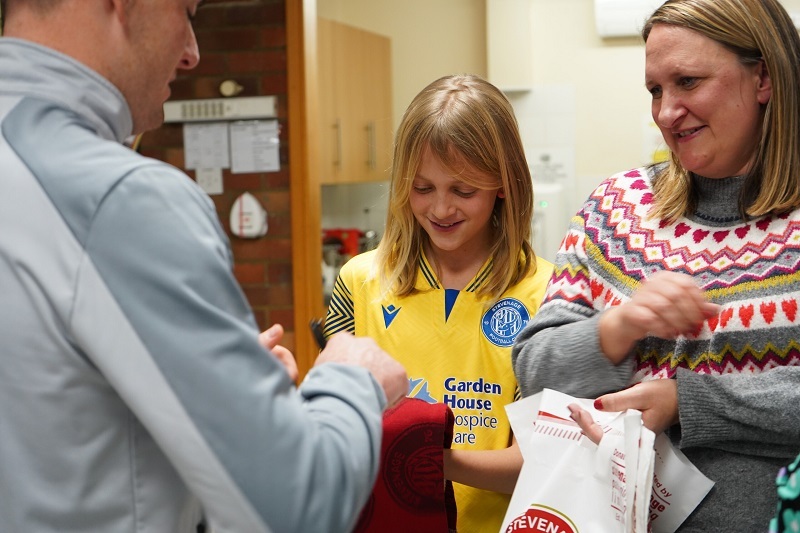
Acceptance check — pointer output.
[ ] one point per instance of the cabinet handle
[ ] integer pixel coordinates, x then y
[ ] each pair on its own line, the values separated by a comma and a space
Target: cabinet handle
338, 127
372, 156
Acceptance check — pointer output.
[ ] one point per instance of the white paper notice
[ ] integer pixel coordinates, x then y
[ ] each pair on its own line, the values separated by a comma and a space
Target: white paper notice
209, 179
206, 145
254, 146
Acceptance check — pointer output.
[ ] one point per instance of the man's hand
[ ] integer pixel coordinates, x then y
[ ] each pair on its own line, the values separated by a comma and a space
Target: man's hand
269, 339
364, 351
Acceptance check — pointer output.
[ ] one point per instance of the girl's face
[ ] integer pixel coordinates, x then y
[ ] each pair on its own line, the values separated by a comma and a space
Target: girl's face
457, 217
707, 104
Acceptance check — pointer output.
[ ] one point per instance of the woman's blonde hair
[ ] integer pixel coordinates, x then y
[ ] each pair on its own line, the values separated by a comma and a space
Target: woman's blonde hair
755, 30
464, 121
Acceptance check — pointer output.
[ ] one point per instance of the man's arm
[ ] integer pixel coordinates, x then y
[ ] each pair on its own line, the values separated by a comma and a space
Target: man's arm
181, 348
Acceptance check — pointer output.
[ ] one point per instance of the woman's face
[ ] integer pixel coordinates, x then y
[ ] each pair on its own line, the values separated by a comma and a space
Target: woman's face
707, 104
457, 217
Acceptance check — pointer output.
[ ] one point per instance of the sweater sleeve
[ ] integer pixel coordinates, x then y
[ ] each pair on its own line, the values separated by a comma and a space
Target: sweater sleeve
757, 414
560, 347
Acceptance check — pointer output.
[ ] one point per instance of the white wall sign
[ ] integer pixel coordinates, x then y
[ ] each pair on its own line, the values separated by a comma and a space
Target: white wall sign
206, 145
254, 146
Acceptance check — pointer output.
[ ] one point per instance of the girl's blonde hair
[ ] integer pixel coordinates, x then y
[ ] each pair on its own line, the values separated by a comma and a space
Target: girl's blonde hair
755, 30
464, 121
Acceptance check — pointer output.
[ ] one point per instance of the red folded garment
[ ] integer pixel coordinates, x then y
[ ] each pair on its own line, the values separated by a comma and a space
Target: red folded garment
411, 493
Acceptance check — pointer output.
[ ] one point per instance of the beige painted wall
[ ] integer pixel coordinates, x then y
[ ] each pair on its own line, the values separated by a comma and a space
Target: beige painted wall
608, 76
608, 79
431, 38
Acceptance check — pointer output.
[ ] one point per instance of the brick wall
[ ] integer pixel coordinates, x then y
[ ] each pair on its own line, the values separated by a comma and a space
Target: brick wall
244, 41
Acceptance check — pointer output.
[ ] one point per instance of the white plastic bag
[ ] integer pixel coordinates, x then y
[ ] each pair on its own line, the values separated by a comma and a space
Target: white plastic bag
628, 483
678, 487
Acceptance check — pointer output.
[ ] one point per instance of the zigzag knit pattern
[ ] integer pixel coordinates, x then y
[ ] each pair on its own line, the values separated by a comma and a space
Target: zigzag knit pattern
752, 269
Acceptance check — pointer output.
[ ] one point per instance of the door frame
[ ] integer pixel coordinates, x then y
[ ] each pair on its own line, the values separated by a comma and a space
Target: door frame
304, 164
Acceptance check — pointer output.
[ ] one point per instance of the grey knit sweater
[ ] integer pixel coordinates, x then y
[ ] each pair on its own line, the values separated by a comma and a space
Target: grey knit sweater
738, 376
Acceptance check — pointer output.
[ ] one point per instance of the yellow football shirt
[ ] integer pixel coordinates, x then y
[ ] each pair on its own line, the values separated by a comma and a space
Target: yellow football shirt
456, 350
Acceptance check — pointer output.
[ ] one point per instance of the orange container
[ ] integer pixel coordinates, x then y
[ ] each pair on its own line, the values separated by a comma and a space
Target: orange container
349, 237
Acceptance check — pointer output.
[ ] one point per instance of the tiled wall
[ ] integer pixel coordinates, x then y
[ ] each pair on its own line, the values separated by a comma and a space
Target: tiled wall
244, 41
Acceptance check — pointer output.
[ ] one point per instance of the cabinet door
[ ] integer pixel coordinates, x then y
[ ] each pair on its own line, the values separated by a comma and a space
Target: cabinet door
350, 103
378, 106
355, 103
331, 88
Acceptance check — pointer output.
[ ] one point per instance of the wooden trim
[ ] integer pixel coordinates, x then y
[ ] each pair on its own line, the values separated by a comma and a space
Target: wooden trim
303, 104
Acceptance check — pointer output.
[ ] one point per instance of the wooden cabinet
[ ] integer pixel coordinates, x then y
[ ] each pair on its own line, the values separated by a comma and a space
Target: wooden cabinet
355, 103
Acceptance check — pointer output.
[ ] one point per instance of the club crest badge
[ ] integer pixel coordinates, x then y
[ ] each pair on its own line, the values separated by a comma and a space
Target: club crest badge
502, 323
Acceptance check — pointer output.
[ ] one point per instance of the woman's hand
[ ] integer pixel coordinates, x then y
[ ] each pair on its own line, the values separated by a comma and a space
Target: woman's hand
666, 305
657, 399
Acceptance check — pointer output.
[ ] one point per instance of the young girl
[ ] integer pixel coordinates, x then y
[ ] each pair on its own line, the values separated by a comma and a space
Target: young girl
455, 279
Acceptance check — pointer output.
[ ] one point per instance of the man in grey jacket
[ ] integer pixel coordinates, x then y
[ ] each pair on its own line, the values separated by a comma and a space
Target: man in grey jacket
134, 391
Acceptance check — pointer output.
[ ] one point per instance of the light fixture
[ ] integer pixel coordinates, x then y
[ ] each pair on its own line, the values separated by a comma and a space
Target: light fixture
229, 88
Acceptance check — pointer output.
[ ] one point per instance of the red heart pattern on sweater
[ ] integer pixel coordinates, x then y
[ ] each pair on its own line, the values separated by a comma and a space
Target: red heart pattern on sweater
681, 229
742, 231
725, 316
746, 314
767, 311
699, 235
789, 309
719, 236
570, 241
597, 289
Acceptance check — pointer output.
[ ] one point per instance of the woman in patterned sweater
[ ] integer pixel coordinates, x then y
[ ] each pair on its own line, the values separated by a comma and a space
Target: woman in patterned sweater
683, 279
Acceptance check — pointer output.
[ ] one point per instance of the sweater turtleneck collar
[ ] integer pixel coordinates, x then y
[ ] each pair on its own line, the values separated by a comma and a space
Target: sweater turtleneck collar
717, 199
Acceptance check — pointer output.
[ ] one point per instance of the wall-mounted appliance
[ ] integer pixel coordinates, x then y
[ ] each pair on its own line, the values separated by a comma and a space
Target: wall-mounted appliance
622, 18
215, 109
